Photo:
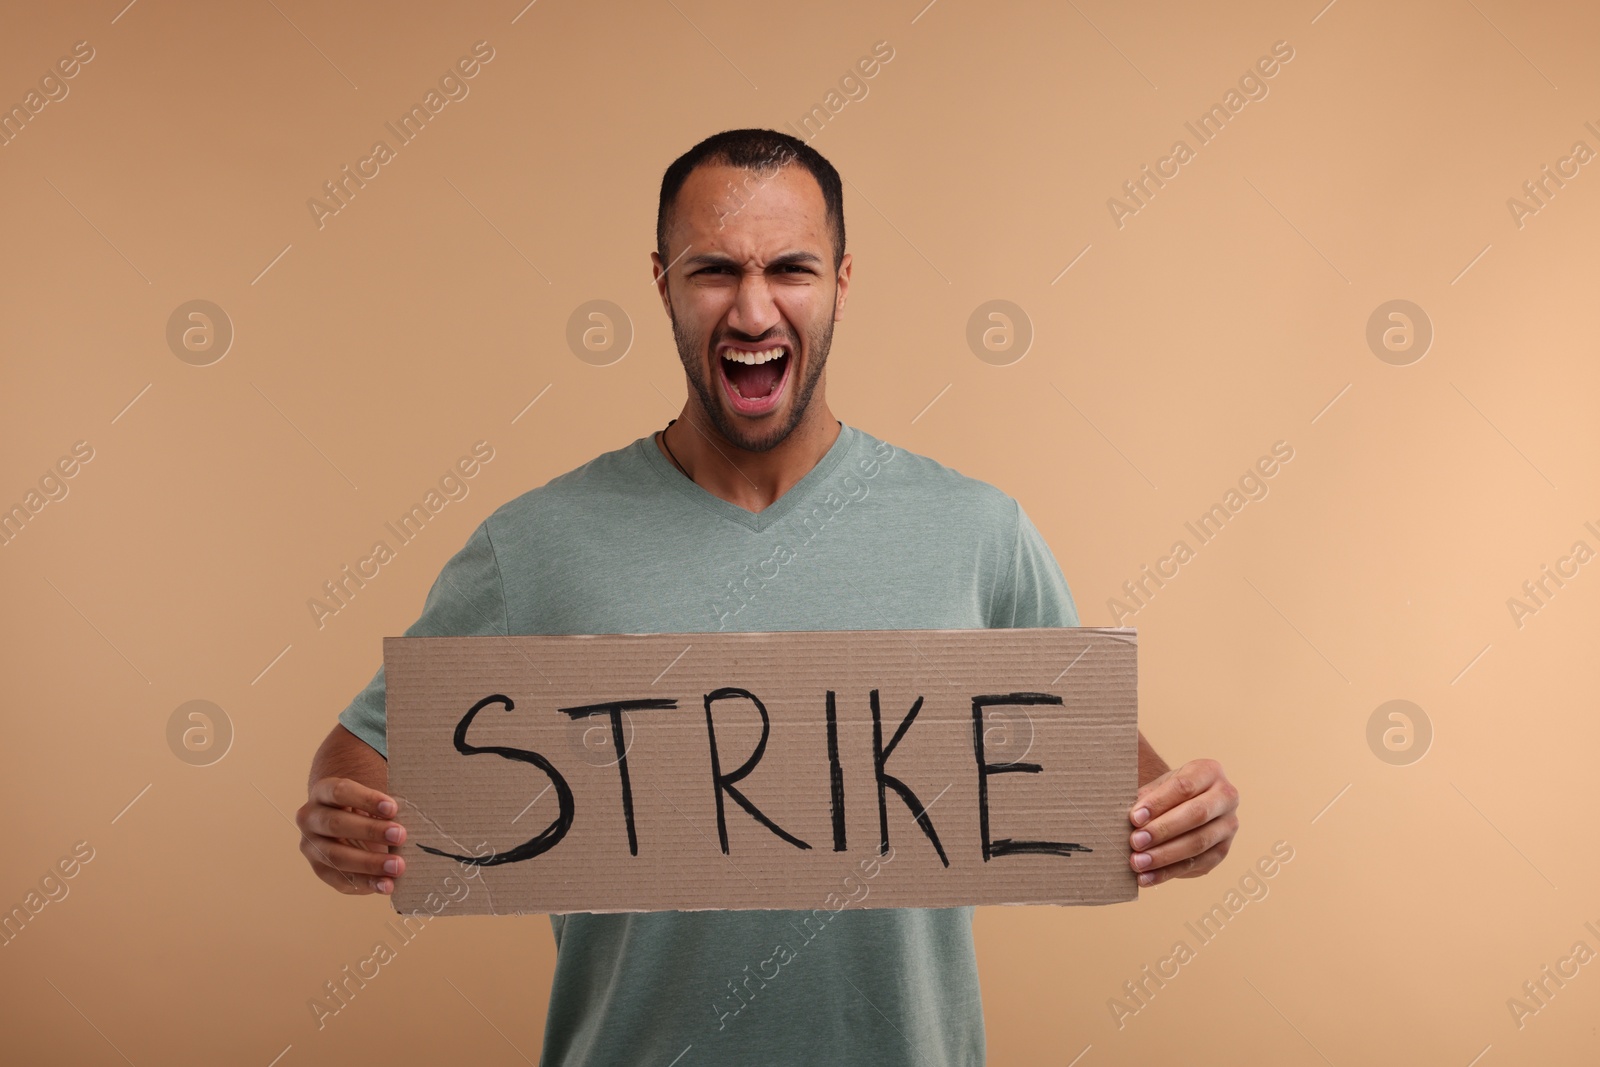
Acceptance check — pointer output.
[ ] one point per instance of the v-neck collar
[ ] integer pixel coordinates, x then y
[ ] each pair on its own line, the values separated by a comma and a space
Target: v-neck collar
755, 520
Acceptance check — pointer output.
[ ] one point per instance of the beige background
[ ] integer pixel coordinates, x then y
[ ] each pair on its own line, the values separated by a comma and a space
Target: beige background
1226, 315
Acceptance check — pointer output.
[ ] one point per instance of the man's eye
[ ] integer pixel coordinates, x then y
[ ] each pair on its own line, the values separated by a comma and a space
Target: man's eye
724, 269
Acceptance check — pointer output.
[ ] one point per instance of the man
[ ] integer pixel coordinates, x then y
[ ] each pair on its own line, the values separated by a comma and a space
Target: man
755, 509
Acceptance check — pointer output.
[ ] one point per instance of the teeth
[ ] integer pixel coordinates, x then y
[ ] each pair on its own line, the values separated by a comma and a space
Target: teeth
753, 358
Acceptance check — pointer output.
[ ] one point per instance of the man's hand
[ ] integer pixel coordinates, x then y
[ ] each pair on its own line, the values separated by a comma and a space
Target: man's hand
346, 829
1185, 821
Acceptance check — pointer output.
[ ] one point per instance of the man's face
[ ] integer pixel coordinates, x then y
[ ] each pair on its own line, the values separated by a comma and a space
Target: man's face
754, 298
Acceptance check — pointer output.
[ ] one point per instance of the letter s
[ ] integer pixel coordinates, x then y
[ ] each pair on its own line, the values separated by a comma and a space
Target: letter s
1283, 50
483, 450
878, 50
83, 50
1283, 450
84, 451
1283, 850
483, 50
551, 835
77, 850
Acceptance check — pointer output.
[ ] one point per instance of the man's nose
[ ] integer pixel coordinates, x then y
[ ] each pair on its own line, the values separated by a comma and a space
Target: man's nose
754, 312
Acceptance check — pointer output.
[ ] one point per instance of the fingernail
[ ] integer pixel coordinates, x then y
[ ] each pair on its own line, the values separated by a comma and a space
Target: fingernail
394, 834
1141, 839
1146, 879
386, 808
1141, 860
391, 866
382, 885
1141, 816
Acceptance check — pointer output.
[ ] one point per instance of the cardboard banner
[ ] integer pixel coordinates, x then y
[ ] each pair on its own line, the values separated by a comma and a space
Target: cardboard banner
651, 772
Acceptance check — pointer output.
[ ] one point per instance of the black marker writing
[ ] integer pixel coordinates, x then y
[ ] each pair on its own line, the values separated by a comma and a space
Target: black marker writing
723, 783
835, 776
615, 709
552, 834
1006, 846
880, 756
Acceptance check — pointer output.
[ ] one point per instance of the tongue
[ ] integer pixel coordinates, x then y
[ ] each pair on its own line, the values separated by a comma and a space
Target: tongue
753, 382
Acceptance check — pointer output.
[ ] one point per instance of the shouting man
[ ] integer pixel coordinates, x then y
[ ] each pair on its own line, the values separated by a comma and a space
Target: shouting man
766, 513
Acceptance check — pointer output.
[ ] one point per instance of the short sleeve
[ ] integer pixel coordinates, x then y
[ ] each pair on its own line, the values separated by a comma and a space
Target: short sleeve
467, 599
1035, 592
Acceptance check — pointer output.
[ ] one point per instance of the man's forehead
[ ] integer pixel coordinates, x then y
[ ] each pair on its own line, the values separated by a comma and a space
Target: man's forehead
771, 208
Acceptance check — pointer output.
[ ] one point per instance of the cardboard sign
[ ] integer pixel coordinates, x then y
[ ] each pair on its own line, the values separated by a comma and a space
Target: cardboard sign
651, 772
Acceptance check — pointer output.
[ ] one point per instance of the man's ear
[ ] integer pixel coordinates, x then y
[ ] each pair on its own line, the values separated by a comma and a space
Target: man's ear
843, 287
660, 280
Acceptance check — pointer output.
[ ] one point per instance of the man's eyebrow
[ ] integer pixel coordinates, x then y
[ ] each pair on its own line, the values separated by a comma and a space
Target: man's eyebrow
717, 259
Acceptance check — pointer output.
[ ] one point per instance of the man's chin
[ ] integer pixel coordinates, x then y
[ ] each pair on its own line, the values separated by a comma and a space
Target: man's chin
761, 433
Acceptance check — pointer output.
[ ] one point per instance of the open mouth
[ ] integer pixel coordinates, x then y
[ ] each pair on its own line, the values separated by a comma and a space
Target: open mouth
754, 380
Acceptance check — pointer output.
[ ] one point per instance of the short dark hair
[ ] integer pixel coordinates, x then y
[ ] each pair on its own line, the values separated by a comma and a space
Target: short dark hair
753, 150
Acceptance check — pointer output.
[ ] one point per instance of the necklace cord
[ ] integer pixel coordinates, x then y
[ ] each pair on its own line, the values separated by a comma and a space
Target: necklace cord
670, 452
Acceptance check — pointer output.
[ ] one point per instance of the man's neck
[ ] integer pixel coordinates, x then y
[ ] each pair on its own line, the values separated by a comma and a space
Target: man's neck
749, 480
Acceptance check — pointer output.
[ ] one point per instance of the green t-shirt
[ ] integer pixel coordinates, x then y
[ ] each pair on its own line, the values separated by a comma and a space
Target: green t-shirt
872, 538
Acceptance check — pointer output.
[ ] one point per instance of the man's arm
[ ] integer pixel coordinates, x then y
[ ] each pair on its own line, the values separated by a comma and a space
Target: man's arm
1151, 766
344, 755
346, 824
